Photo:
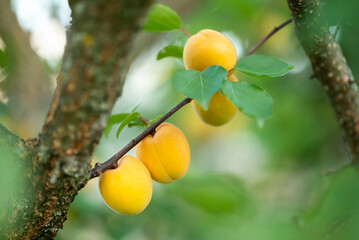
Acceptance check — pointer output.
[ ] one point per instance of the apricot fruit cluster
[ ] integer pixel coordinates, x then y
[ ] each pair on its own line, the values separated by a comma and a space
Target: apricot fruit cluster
202, 50
163, 156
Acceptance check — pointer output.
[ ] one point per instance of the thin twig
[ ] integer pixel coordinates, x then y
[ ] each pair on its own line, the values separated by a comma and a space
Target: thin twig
185, 32
110, 163
260, 43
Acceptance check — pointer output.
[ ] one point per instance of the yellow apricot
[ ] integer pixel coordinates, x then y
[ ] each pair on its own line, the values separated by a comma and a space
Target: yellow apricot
232, 78
219, 111
127, 189
166, 154
207, 48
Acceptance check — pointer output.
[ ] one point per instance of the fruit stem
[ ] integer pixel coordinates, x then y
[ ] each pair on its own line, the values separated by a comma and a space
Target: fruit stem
185, 32
142, 119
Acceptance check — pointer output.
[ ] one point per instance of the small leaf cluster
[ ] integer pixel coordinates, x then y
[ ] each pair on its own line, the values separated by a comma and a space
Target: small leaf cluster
131, 119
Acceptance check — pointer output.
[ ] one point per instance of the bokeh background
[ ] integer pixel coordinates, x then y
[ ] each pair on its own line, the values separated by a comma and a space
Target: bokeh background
247, 180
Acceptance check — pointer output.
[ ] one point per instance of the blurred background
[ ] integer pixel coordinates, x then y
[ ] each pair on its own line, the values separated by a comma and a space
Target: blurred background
246, 180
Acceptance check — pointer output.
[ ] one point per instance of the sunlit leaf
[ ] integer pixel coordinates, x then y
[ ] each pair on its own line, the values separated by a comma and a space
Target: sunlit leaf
200, 85
170, 51
263, 66
132, 117
249, 98
114, 119
161, 18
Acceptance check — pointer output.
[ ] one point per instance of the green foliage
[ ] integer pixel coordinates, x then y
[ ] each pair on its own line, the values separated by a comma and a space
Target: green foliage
114, 119
335, 214
162, 19
170, 51
340, 11
3, 59
131, 117
214, 193
200, 85
263, 66
6, 177
249, 99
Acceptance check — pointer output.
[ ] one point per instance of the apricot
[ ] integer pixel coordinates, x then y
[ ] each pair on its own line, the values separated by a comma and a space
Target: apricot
207, 48
220, 109
204, 49
166, 153
127, 189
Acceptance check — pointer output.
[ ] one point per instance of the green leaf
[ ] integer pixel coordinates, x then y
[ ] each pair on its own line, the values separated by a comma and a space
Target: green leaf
162, 19
170, 51
135, 108
132, 117
200, 85
153, 120
137, 124
263, 66
114, 119
249, 98
3, 59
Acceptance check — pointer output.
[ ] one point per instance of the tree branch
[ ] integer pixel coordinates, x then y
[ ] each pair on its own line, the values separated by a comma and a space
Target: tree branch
111, 162
329, 66
271, 33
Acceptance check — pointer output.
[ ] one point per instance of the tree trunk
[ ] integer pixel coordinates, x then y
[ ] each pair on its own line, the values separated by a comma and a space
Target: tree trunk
329, 67
56, 165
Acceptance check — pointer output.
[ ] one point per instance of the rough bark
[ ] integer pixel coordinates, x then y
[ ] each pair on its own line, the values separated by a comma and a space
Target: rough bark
329, 67
90, 81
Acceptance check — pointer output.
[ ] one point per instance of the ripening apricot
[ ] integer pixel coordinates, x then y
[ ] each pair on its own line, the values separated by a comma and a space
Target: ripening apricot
166, 154
204, 49
127, 189
220, 109
207, 48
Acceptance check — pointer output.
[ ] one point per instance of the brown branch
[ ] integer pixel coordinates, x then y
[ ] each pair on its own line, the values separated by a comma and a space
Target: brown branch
110, 163
329, 67
271, 33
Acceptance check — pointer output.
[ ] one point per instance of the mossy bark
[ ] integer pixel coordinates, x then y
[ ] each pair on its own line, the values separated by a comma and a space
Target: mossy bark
329, 67
58, 161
